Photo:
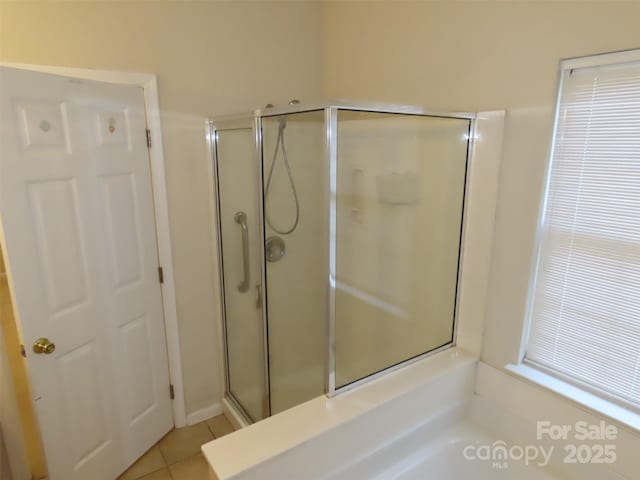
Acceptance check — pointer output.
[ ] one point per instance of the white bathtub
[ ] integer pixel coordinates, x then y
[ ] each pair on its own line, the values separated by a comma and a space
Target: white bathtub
424, 422
443, 458
445, 447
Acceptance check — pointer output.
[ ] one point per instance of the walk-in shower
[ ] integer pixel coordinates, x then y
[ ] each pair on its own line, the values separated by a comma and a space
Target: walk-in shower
339, 230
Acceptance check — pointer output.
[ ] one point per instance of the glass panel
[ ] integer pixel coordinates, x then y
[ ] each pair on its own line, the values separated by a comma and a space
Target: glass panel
399, 202
295, 184
238, 190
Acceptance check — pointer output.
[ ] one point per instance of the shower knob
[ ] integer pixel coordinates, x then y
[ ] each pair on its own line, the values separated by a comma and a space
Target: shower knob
274, 249
295, 101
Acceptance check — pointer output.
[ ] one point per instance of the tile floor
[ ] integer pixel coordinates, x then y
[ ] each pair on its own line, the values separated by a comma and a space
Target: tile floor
177, 456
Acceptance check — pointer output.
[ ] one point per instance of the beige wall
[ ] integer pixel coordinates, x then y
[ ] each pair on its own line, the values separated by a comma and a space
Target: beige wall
472, 55
479, 56
210, 58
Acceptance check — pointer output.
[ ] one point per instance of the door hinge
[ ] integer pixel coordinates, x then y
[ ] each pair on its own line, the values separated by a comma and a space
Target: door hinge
148, 138
172, 393
23, 352
160, 275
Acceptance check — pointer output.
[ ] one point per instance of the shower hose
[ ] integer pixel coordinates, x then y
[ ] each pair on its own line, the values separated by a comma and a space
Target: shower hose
280, 141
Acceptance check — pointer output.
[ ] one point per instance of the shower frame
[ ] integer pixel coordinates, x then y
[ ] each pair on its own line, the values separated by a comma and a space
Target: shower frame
330, 109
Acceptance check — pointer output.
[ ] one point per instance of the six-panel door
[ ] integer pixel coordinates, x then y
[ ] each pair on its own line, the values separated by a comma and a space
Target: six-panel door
78, 222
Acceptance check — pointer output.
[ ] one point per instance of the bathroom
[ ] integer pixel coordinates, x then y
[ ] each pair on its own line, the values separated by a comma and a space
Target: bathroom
213, 60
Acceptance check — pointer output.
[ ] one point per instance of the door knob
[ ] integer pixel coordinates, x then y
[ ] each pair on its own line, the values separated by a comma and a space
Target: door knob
43, 345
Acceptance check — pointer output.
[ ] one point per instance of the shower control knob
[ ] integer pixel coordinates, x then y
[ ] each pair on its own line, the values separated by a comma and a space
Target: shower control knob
295, 101
274, 249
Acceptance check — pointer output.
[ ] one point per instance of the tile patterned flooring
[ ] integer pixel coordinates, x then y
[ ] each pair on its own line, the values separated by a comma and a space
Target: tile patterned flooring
177, 455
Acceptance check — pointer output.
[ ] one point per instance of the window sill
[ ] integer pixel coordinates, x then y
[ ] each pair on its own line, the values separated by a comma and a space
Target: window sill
576, 394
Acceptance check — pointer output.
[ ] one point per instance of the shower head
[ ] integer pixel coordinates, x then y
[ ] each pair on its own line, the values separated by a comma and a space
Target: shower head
282, 121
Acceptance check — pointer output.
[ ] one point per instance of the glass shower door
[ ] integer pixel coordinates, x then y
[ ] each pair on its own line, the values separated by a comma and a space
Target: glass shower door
400, 189
295, 211
241, 243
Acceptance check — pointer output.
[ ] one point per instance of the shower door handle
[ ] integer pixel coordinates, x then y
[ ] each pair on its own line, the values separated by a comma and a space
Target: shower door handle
241, 219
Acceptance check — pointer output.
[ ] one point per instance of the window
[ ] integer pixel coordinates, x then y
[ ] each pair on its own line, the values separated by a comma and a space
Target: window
585, 304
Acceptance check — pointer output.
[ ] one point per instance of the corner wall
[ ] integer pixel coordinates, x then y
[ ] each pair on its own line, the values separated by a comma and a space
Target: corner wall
473, 56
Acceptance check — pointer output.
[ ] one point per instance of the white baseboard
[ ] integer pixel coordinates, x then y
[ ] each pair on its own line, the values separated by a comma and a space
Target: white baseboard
204, 413
232, 415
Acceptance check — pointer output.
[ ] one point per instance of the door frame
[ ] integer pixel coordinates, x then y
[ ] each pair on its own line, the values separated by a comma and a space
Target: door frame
149, 83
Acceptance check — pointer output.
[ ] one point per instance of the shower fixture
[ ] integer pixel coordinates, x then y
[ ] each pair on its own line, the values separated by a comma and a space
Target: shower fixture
274, 248
280, 143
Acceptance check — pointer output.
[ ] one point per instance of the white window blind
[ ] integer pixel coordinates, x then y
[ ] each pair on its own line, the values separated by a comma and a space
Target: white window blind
585, 309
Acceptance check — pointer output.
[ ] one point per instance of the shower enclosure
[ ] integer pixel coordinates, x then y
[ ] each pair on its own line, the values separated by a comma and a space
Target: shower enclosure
340, 229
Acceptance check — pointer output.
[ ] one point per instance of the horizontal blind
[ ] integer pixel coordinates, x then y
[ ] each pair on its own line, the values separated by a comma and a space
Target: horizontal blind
585, 317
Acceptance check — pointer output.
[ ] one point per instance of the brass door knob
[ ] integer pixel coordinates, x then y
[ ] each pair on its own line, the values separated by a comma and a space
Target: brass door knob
43, 345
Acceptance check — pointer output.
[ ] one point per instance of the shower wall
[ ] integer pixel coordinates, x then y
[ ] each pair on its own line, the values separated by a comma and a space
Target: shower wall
400, 189
297, 284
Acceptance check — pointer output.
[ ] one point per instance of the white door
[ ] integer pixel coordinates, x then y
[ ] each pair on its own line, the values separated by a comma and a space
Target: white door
77, 216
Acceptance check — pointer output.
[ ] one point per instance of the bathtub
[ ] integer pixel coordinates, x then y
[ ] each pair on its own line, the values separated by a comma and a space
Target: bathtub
425, 421
443, 458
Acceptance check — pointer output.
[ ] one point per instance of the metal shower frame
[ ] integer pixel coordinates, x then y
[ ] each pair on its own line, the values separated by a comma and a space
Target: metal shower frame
253, 120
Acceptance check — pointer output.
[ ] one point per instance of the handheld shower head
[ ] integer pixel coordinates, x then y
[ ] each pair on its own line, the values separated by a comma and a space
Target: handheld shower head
281, 144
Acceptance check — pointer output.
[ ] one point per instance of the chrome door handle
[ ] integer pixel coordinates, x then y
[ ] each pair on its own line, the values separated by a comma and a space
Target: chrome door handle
241, 219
